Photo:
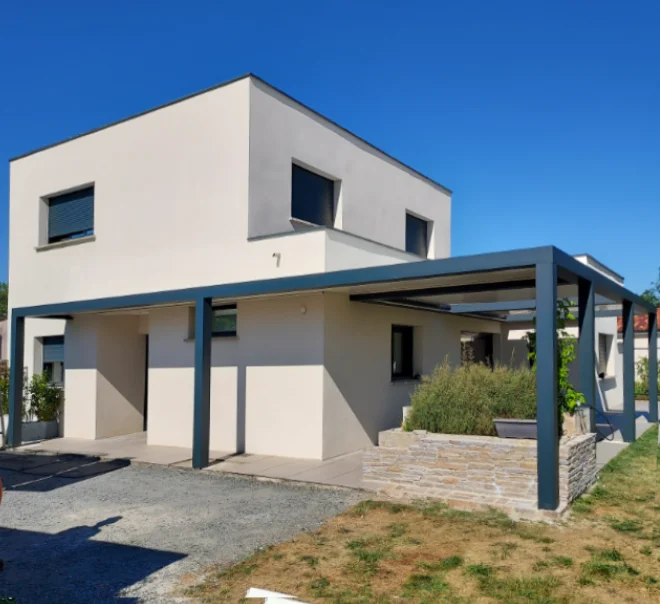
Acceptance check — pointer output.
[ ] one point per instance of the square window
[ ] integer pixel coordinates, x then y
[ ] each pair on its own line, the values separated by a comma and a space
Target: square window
402, 352
224, 321
417, 235
312, 197
70, 215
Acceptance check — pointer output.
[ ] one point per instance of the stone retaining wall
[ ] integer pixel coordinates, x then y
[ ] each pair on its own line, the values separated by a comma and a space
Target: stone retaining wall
474, 471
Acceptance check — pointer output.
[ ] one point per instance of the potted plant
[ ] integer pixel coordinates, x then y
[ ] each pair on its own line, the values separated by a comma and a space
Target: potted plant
42, 409
571, 420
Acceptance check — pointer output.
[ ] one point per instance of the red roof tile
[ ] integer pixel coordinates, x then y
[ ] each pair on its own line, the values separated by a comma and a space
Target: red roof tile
640, 322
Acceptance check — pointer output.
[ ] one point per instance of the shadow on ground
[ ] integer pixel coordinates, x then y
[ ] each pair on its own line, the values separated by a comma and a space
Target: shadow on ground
72, 567
32, 472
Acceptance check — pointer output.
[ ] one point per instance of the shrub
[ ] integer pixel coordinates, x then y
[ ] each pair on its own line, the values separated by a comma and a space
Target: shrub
43, 399
642, 381
466, 399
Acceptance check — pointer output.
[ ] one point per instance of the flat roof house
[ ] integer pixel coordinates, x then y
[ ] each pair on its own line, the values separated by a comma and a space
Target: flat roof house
238, 273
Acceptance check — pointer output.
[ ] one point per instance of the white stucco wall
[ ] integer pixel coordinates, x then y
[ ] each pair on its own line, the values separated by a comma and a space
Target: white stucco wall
35, 329
170, 204
104, 359
268, 379
375, 191
360, 398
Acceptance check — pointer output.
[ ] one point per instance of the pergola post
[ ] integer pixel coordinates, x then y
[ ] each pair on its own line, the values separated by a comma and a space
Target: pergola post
653, 367
14, 431
202, 401
546, 387
586, 347
628, 426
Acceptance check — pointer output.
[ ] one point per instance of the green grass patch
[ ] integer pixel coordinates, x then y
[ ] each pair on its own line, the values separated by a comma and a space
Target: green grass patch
479, 570
519, 590
504, 548
449, 563
418, 585
607, 564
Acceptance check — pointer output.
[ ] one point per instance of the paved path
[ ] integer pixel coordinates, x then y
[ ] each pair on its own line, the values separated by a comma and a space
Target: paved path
71, 533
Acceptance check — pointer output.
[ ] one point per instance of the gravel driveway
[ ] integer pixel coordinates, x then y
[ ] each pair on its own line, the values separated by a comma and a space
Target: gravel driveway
129, 535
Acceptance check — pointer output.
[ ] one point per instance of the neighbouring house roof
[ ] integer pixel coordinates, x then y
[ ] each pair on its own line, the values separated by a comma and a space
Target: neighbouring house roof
640, 322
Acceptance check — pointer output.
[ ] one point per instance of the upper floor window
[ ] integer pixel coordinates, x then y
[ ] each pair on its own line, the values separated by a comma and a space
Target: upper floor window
71, 215
417, 236
312, 197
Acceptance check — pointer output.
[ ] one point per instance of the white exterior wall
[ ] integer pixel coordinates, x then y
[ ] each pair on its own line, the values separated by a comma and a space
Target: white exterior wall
104, 359
35, 329
375, 191
360, 398
271, 374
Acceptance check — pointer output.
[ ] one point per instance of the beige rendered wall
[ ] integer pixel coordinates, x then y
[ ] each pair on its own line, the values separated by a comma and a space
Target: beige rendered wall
80, 377
266, 384
104, 359
120, 378
360, 399
170, 205
375, 191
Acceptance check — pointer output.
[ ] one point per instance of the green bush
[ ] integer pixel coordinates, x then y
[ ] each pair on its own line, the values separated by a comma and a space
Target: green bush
466, 399
43, 399
642, 381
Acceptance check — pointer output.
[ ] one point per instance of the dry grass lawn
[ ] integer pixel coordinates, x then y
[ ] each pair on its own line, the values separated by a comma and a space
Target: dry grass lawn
388, 552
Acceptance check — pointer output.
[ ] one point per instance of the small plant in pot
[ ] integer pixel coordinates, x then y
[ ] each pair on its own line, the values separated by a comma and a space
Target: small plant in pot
42, 402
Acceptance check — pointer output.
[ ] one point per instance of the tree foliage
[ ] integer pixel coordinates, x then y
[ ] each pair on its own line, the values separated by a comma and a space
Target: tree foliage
652, 293
4, 293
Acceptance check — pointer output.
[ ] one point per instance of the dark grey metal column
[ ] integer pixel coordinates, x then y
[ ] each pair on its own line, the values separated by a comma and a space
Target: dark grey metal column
14, 436
653, 367
586, 347
202, 403
546, 386
628, 426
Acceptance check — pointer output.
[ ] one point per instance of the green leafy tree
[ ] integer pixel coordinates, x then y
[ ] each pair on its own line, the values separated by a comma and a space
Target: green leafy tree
4, 293
652, 293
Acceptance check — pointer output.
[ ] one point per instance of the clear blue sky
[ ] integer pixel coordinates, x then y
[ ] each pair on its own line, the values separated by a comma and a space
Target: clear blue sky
542, 117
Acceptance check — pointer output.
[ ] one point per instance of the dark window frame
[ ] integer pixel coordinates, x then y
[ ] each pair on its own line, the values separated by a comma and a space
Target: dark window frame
413, 242
69, 197
225, 334
604, 353
407, 371
303, 184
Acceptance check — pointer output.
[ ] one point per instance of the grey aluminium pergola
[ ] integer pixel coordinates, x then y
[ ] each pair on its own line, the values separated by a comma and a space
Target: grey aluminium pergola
512, 274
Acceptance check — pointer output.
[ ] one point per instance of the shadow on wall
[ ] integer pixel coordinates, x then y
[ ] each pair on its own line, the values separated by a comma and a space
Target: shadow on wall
71, 566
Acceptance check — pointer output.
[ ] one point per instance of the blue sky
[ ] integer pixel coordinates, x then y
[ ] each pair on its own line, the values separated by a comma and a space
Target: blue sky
542, 117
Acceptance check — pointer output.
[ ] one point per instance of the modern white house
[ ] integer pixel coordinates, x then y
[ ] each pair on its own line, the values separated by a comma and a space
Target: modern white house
242, 184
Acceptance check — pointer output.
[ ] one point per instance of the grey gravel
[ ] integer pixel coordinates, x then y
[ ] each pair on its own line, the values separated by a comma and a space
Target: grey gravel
129, 535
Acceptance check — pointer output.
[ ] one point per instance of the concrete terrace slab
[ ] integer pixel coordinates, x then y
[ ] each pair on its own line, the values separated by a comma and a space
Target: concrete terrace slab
343, 471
